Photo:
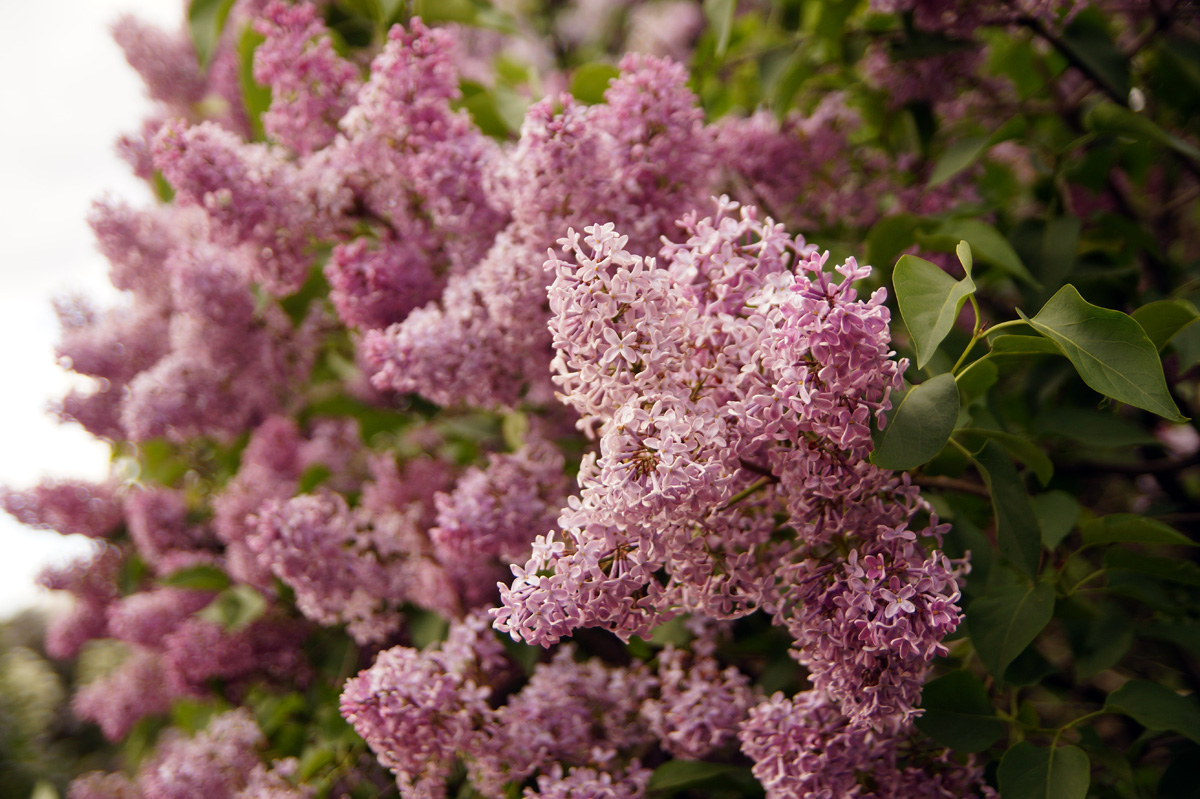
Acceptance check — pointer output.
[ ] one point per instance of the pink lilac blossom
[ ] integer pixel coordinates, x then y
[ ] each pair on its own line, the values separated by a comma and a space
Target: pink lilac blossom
166, 538
699, 706
199, 651
217, 763
417, 710
493, 514
312, 87
961, 18
136, 689
350, 566
98, 785
71, 507
93, 584
147, 617
166, 62
277, 782
587, 783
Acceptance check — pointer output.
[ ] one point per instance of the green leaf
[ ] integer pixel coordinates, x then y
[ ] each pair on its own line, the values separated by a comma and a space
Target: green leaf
1156, 707
1093, 428
1115, 120
961, 153
1184, 572
1162, 319
677, 774
720, 14
1129, 528
1060, 248
199, 578
919, 425
958, 713
1005, 621
892, 235
1089, 43
1017, 533
929, 300
1018, 447
206, 21
958, 155
1023, 345
255, 98
1057, 512
236, 608
1034, 772
1187, 345
590, 81
987, 245
1109, 350
313, 477
976, 380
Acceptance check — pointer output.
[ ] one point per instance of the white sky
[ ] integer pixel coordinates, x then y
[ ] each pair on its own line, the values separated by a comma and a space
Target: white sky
66, 95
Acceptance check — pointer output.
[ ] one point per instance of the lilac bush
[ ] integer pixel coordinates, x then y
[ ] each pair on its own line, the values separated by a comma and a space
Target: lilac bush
503, 405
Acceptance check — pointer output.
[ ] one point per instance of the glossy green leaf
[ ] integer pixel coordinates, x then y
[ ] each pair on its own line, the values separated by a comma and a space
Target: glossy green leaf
975, 381
199, 578
987, 245
1113, 119
919, 425
930, 301
1018, 447
1005, 621
256, 99
958, 713
1060, 248
1184, 572
1017, 534
1187, 345
1057, 512
720, 15
236, 607
1034, 772
590, 81
1156, 707
1162, 319
1023, 345
1093, 428
1109, 350
675, 775
206, 21
1088, 42
959, 155
1129, 528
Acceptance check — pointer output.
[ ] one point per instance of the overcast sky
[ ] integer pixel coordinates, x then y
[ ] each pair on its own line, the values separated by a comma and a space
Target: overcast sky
66, 95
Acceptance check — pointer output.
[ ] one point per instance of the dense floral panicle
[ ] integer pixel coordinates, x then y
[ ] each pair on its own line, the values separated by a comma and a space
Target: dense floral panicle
199, 651
275, 782
147, 617
574, 713
416, 710
351, 567
868, 629
165, 61
274, 460
217, 763
160, 525
802, 750
113, 346
98, 785
484, 344
413, 160
374, 285
418, 481
136, 689
70, 507
92, 581
230, 363
493, 515
312, 87
250, 195
137, 243
588, 783
698, 706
